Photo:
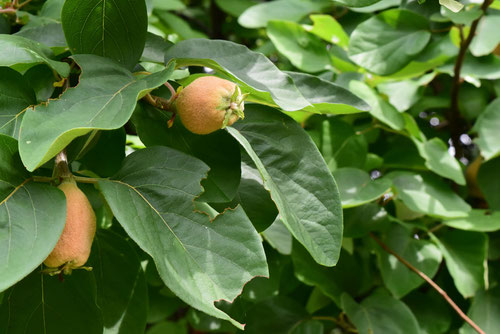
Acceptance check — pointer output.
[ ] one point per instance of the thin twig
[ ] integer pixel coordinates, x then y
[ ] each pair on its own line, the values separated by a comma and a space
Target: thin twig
456, 120
7, 10
431, 283
341, 323
23, 4
173, 93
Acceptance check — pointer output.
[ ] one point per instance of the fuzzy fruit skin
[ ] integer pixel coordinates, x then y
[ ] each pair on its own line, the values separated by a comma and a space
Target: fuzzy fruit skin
73, 247
202, 105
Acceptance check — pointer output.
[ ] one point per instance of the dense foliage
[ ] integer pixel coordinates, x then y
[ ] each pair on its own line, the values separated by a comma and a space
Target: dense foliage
367, 163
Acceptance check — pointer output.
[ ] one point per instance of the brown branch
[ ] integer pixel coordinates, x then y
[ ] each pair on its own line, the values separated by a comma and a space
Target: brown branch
457, 124
7, 10
431, 283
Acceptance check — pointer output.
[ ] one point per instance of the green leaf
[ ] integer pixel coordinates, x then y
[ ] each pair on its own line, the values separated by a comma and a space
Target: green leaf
16, 95
438, 160
380, 313
422, 254
41, 79
452, 5
32, 217
200, 260
477, 220
115, 30
357, 3
489, 183
104, 99
21, 53
254, 199
106, 157
122, 293
389, 41
361, 220
42, 304
430, 195
262, 79
484, 312
305, 51
297, 178
155, 48
290, 10
487, 128
325, 96
218, 150
178, 25
487, 37
431, 310
169, 327
348, 276
278, 236
277, 315
476, 68
169, 5
309, 327
50, 35
326, 27
357, 188
380, 108
465, 17
235, 8
465, 254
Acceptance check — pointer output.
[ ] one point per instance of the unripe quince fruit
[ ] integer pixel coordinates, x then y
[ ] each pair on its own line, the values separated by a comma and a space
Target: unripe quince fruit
210, 103
73, 248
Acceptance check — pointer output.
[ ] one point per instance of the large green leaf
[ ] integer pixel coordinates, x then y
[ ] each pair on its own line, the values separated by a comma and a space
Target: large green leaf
486, 126
32, 217
21, 53
477, 220
16, 95
305, 51
438, 160
325, 96
357, 188
254, 72
484, 312
380, 313
422, 254
200, 260
290, 10
430, 195
465, 254
387, 42
380, 108
115, 29
297, 177
218, 150
41, 304
104, 99
122, 293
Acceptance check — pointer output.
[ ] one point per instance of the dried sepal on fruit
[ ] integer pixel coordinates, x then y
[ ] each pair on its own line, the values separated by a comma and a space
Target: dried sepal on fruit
73, 248
210, 103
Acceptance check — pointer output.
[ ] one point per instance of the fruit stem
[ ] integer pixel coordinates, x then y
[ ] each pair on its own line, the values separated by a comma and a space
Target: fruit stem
61, 168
